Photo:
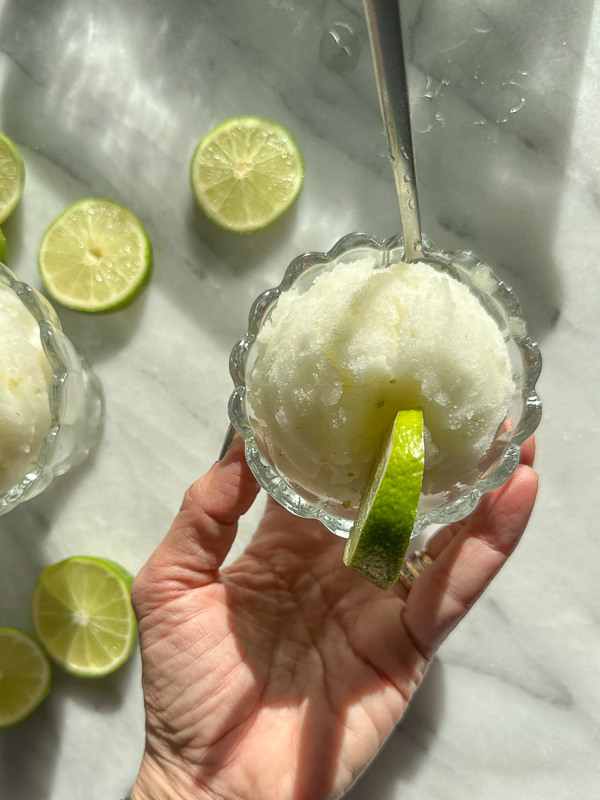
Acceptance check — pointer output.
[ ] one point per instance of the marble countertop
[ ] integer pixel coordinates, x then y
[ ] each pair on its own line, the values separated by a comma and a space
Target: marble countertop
109, 99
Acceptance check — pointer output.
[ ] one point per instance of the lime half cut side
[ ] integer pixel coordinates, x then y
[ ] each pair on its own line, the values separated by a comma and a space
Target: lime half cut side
386, 515
246, 173
83, 616
24, 676
95, 257
12, 177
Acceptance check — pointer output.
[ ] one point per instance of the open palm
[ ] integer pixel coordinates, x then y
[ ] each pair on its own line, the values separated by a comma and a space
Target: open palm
281, 675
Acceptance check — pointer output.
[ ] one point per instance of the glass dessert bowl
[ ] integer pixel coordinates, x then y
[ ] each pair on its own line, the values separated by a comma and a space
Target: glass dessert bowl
51, 403
308, 477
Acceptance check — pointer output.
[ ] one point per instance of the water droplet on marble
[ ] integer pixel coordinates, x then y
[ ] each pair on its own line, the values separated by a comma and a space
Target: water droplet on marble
423, 113
339, 48
508, 100
483, 22
431, 89
421, 126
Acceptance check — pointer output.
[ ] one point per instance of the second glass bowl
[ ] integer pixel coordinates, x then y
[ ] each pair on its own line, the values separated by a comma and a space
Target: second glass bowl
503, 455
75, 395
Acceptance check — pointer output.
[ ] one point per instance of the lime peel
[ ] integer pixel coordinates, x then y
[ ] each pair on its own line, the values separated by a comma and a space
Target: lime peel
3, 256
12, 177
386, 515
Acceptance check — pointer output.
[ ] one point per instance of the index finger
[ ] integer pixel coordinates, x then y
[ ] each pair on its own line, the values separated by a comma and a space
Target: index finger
205, 527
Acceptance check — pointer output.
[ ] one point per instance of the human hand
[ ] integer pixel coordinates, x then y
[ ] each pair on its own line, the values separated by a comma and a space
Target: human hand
280, 676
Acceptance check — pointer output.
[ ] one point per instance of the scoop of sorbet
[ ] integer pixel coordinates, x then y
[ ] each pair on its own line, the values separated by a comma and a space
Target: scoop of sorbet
25, 376
335, 363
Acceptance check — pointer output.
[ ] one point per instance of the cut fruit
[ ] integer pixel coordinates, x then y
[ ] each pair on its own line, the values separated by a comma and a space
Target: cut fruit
83, 616
246, 173
24, 676
95, 257
2, 247
386, 515
12, 177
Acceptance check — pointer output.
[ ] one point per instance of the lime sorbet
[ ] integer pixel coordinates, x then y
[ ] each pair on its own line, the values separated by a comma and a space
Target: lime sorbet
336, 362
25, 376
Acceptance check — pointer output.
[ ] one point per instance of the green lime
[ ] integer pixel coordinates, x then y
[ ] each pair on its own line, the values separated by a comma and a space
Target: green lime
2, 247
386, 514
24, 676
246, 173
83, 616
95, 256
12, 177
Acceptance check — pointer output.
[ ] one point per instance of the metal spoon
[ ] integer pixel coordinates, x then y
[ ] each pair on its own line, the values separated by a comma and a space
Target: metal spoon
385, 35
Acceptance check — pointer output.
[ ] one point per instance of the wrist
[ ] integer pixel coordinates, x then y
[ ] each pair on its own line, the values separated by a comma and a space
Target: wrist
156, 782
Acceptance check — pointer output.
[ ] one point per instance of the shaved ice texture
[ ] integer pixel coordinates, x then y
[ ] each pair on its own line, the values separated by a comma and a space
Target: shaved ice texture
335, 363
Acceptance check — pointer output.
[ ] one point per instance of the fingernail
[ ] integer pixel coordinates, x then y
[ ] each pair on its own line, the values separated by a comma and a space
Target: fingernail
226, 442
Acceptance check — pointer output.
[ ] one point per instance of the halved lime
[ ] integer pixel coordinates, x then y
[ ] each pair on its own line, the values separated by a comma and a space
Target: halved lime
12, 177
24, 676
246, 173
95, 256
386, 515
83, 616
2, 247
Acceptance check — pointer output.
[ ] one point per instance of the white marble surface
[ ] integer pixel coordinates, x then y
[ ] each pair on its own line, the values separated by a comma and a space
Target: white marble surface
110, 98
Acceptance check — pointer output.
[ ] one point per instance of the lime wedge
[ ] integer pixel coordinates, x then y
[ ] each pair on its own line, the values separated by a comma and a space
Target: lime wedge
2, 247
82, 614
246, 173
24, 676
95, 257
386, 514
12, 177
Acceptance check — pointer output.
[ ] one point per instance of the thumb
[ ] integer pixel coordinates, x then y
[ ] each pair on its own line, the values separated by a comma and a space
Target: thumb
202, 534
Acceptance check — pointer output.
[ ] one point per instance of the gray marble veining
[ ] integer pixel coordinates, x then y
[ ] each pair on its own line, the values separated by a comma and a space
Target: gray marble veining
110, 98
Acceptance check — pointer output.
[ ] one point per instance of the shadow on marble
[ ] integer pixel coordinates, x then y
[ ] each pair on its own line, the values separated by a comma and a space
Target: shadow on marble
101, 695
494, 103
22, 543
210, 277
29, 752
48, 506
99, 336
408, 746
241, 252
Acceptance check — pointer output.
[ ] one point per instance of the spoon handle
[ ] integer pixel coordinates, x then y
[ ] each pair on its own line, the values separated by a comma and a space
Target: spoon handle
385, 35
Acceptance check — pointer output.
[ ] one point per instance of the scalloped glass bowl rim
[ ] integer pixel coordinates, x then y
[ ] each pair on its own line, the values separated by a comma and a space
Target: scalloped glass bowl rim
457, 509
